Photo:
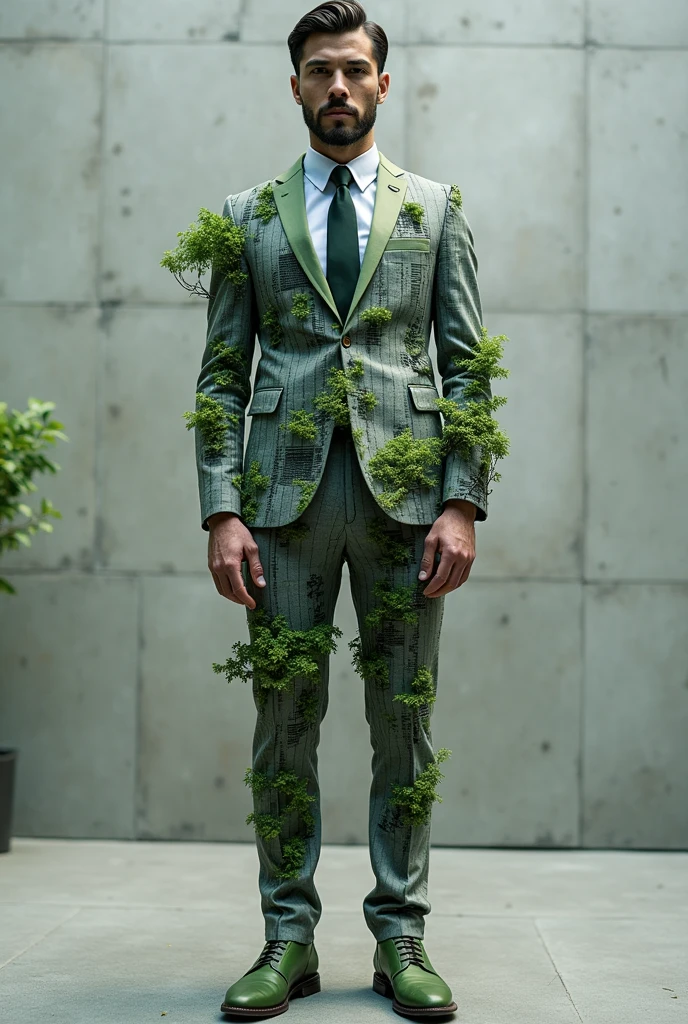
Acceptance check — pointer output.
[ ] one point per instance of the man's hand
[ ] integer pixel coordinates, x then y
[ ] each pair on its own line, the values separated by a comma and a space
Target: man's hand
453, 535
229, 544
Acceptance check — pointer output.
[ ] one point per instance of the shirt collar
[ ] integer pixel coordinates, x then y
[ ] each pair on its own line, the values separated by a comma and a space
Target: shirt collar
318, 168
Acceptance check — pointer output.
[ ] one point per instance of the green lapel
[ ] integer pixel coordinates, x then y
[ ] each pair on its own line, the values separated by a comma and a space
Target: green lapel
389, 195
291, 206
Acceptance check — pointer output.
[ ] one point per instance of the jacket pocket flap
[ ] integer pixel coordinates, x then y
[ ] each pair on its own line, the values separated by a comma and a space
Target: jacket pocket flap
424, 397
420, 244
265, 400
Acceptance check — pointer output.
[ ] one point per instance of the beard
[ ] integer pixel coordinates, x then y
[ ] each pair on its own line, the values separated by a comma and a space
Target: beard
340, 134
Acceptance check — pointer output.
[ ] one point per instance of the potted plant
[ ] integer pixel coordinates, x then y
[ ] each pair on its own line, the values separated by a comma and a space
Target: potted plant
23, 439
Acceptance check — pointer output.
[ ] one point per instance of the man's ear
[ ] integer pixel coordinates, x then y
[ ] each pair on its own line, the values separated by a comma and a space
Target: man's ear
296, 92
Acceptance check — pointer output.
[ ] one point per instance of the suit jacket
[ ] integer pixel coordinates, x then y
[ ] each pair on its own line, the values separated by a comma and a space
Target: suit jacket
421, 269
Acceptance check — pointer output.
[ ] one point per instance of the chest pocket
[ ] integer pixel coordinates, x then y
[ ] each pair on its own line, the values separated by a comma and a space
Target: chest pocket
408, 245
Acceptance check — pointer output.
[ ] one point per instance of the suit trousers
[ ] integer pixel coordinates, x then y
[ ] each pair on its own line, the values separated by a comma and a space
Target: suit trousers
303, 576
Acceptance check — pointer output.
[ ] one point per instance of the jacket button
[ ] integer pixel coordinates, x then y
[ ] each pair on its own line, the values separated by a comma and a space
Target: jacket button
346, 341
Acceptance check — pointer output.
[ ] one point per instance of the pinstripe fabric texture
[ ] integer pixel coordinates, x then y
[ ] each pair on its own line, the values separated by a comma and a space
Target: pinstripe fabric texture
303, 579
423, 273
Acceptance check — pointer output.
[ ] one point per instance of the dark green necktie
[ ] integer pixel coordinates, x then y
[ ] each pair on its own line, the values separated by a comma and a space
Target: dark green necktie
343, 257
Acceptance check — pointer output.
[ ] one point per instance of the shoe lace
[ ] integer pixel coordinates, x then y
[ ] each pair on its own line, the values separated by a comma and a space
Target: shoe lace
272, 952
410, 950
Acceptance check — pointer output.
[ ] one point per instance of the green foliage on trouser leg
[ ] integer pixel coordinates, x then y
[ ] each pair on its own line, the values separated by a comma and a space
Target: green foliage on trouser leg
308, 489
392, 552
270, 826
271, 322
340, 384
376, 315
417, 800
394, 603
214, 242
265, 208
301, 424
402, 464
250, 486
373, 669
277, 654
213, 421
301, 305
307, 705
292, 531
423, 695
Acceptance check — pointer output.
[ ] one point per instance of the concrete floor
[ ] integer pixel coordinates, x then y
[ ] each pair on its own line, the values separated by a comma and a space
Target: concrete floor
124, 932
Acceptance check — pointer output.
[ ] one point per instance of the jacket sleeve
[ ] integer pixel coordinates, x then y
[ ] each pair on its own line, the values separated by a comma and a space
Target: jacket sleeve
225, 379
457, 316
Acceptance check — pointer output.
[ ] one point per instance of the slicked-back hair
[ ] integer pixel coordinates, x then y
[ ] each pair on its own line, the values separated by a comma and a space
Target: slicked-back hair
335, 17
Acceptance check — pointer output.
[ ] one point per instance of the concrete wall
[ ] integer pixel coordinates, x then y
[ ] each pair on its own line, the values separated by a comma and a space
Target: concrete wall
564, 686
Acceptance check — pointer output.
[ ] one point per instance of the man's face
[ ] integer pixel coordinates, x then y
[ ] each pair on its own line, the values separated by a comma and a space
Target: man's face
339, 86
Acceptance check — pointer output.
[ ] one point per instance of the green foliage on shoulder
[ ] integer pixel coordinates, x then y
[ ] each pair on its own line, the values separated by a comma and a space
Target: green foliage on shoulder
293, 531
24, 436
340, 383
423, 694
271, 323
417, 800
277, 655
213, 421
455, 196
374, 669
415, 212
308, 489
376, 315
392, 552
250, 486
214, 242
294, 790
394, 603
301, 424
265, 204
301, 305
402, 464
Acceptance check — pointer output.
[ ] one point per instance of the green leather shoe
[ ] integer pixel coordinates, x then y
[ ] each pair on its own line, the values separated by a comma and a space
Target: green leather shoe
284, 970
403, 973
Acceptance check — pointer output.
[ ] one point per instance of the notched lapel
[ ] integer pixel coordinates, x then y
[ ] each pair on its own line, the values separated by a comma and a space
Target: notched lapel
389, 196
288, 191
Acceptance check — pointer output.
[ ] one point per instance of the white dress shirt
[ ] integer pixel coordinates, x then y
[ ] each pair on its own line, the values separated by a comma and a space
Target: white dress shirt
319, 191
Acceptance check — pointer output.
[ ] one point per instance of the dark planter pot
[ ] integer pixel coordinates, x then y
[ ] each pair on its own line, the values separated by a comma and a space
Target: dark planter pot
8, 760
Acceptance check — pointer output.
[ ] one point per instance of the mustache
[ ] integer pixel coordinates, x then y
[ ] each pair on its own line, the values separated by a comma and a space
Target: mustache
337, 106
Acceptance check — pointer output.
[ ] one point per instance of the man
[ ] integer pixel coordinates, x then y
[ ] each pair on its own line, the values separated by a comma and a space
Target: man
340, 265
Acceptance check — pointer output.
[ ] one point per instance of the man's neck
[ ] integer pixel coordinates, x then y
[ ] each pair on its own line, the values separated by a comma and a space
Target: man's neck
343, 154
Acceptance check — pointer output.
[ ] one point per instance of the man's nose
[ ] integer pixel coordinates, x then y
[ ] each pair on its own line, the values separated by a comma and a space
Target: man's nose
338, 86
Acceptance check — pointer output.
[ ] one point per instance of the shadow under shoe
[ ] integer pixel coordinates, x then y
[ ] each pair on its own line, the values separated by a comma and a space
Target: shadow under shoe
403, 973
283, 971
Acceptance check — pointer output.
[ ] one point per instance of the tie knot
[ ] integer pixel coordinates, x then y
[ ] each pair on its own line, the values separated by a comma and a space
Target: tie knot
341, 175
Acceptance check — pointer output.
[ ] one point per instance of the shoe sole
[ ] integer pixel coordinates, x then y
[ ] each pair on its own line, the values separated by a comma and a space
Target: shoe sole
383, 986
305, 987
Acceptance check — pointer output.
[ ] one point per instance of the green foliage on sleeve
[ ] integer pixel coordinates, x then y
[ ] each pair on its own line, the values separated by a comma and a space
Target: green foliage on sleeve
24, 436
250, 486
376, 315
265, 204
271, 323
417, 800
301, 305
214, 242
213, 421
277, 655
415, 212
308, 489
230, 370
423, 690
301, 424
340, 384
394, 603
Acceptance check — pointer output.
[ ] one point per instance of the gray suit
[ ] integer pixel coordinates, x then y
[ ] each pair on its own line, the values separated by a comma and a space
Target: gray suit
419, 267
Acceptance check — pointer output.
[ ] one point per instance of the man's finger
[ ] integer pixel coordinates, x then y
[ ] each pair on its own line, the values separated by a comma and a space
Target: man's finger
442, 573
453, 581
254, 564
223, 588
237, 584
428, 560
